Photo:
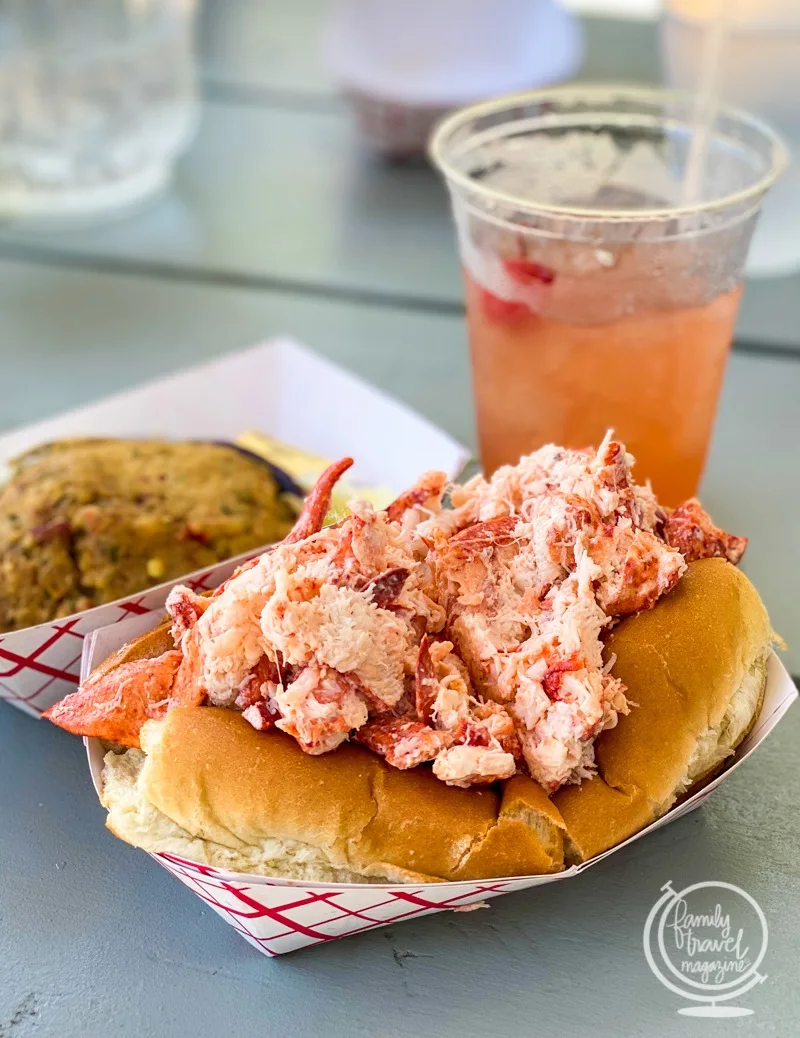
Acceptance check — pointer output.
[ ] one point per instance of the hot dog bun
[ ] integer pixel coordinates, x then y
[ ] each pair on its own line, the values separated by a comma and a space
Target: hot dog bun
695, 666
209, 787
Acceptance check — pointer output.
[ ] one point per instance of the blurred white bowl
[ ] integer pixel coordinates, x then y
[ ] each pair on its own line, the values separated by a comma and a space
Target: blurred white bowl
402, 65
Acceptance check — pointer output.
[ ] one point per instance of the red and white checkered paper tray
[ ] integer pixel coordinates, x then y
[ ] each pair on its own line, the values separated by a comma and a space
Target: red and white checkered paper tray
281, 915
279, 388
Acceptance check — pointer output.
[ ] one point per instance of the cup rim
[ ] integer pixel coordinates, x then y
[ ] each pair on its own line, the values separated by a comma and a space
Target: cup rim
437, 148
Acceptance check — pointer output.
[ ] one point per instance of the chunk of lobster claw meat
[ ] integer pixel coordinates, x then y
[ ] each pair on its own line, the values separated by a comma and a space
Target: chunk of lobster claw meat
386, 587
404, 742
318, 502
185, 607
424, 497
467, 765
689, 529
320, 707
115, 705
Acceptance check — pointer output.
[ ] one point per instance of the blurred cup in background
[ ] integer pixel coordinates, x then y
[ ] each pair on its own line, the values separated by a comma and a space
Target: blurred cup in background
759, 69
97, 100
597, 296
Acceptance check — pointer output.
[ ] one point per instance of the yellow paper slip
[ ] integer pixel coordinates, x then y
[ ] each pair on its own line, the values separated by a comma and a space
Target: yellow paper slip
305, 469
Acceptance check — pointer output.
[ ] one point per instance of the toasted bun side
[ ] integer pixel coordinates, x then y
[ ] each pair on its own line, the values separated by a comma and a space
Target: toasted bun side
147, 646
208, 787
133, 818
598, 817
695, 666
719, 741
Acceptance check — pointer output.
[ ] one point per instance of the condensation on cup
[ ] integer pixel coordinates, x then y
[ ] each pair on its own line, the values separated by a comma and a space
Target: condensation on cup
598, 296
758, 69
97, 100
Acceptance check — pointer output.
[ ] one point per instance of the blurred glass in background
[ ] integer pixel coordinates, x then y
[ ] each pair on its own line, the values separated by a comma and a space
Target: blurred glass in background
97, 100
759, 70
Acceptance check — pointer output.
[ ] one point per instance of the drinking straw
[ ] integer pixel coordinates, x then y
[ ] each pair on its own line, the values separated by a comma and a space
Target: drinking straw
706, 102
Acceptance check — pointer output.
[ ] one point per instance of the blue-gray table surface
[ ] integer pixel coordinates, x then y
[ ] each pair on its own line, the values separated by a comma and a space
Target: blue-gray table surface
279, 222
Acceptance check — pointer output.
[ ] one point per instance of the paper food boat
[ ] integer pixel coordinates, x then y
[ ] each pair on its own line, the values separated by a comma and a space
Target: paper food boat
282, 915
279, 388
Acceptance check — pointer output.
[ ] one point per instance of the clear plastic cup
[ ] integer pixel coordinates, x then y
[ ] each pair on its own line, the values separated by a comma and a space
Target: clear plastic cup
596, 296
97, 100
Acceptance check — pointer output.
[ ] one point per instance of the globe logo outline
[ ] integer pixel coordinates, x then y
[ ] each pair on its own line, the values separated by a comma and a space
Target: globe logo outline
712, 993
